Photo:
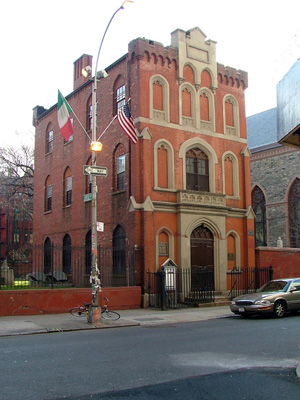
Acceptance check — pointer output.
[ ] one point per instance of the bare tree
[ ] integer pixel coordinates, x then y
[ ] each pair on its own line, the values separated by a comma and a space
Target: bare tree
16, 178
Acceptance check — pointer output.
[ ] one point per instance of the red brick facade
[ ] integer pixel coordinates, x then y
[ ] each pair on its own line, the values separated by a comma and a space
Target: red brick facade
187, 180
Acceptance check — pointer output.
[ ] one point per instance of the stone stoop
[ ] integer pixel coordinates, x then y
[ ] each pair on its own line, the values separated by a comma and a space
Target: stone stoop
219, 302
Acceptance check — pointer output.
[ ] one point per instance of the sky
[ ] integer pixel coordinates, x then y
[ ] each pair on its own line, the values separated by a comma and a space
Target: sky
40, 40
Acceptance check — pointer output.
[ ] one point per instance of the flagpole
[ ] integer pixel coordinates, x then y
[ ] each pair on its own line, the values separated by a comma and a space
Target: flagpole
78, 120
107, 127
94, 315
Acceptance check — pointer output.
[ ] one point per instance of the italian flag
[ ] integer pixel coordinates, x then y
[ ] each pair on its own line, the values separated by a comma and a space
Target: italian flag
64, 120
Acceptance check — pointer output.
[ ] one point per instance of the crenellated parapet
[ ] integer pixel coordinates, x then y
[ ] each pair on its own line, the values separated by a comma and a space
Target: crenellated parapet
232, 77
142, 48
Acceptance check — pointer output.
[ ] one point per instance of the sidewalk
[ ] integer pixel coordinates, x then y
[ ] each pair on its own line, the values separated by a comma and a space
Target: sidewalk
33, 324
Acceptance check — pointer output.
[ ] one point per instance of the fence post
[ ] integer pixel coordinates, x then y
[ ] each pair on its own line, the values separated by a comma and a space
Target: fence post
271, 271
162, 287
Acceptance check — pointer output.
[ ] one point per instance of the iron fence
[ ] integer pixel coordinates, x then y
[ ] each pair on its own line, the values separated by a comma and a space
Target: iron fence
33, 266
180, 287
247, 280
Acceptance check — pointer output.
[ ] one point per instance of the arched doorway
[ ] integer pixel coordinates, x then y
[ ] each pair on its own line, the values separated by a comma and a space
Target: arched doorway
202, 258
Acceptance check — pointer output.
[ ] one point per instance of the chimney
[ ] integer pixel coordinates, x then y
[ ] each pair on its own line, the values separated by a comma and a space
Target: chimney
82, 62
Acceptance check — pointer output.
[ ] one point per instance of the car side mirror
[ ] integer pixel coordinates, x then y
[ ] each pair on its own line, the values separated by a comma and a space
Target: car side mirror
293, 289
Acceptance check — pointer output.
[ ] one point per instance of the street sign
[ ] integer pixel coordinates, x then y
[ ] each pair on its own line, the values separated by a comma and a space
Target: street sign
100, 226
94, 170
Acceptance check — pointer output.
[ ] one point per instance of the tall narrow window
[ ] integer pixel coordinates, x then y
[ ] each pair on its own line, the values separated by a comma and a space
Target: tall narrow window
68, 190
186, 103
49, 198
259, 208
229, 113
294, 214
120, 97
48, 195
49, 141
158, 93
66, 261
231, 116
204, 107
162, 166
197, 174
228, 166
67, 187
120, 169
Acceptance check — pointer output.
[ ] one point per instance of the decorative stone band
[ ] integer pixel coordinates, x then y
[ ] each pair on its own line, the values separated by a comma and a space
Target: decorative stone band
211, 199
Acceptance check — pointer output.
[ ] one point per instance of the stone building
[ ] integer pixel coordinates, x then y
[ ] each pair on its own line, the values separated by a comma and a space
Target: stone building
183, 191
275, 173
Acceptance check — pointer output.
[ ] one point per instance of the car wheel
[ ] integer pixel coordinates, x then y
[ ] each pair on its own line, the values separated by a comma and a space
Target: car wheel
279, 309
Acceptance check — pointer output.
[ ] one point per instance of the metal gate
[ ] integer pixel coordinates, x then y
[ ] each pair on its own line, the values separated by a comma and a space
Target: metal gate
191, 287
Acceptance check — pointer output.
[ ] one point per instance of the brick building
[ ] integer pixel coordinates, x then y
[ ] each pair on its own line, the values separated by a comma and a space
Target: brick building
183, 191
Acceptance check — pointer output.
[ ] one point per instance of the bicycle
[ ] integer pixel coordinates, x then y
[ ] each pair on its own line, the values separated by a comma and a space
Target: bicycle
105, 313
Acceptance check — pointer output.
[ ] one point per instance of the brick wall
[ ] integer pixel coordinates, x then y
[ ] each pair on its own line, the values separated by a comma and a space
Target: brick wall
285, 261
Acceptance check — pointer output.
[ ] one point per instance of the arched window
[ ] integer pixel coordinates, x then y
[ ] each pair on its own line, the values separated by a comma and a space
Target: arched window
159, 98
205, 79
162, 162
119, 253
119, 168
187, 105
88, 252
231, 116
230, 167
48, 195
49, 140
204, 107
259, 208
206, 100
68, 187
197, 174
294, 214
163, 165
188, 74
163, 247
47, 256
119, 90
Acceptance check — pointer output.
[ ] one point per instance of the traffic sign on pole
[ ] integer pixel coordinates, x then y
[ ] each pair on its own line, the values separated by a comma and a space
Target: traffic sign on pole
94, 170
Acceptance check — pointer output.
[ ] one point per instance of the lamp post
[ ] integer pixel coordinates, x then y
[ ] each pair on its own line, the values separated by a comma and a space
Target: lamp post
95, 310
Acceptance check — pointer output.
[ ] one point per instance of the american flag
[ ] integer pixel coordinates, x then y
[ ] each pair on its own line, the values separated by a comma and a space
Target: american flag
126, 122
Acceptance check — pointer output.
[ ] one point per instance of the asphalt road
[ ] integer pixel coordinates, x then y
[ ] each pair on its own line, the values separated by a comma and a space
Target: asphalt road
229, 358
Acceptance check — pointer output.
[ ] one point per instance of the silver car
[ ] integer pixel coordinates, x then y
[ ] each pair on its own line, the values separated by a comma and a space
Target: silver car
275, 297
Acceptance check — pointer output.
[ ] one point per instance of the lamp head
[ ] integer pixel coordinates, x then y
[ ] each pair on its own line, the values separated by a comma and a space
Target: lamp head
96, 146
102, 74
126, 1
87, 71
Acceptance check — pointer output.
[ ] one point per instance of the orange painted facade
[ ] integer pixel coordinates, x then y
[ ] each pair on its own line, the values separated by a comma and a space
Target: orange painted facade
187, 180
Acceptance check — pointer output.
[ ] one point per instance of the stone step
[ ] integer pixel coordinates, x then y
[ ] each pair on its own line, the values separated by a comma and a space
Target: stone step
219, 302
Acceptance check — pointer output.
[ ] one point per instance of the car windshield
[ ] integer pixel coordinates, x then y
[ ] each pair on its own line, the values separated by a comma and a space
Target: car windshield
274, 286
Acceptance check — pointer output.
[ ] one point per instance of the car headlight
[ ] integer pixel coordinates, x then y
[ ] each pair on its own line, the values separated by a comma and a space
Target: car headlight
233, 302
262, 302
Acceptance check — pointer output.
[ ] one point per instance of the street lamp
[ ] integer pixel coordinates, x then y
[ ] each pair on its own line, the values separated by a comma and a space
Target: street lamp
95, 310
